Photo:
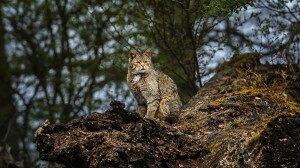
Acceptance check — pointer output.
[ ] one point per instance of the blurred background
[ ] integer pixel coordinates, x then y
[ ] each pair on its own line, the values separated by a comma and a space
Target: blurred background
61, 59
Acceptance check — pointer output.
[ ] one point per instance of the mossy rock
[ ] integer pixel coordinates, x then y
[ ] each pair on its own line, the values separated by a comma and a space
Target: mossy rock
235, 120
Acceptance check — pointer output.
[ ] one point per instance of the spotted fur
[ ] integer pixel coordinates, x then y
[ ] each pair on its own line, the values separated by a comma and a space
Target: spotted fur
155, 93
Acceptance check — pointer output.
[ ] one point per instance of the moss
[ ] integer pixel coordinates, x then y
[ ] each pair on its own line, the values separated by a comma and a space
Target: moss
225, 88
214, 105
214, 148
248, 91
252, 141
294, 106
232, 125
238, 60
277, 95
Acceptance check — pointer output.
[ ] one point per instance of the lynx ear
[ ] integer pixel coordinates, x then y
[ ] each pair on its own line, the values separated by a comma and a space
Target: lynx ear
148, 53
132, 54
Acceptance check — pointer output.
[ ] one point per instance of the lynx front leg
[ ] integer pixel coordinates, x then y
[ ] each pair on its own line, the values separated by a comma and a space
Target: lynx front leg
152, 107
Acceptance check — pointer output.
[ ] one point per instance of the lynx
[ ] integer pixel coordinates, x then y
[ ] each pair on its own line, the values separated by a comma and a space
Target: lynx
155, 93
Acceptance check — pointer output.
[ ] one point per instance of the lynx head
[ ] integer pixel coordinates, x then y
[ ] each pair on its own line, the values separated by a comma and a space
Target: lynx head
139, 64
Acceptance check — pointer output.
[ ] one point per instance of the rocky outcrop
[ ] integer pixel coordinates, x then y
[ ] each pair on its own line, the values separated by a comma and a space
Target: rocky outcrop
248, 115
116, 138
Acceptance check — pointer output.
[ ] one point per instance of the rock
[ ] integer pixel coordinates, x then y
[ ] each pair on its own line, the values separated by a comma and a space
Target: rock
116, 138
252, 124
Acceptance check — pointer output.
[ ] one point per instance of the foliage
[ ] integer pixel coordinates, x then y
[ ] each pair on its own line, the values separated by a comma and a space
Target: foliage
225, 7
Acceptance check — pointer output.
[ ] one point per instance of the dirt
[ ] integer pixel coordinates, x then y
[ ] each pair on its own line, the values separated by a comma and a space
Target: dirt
248, 115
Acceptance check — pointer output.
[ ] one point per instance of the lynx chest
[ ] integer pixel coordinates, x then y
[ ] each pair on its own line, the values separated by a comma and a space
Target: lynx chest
146, 85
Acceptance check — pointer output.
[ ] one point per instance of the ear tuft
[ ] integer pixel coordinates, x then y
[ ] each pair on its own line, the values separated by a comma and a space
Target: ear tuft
148, 52
132, 54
